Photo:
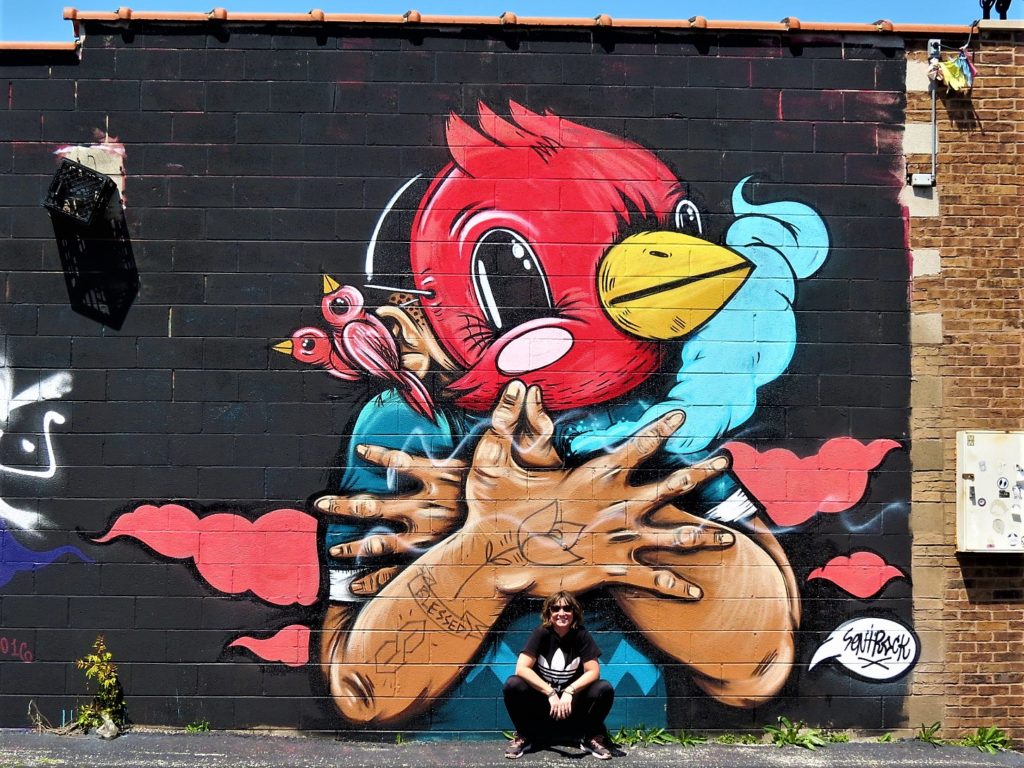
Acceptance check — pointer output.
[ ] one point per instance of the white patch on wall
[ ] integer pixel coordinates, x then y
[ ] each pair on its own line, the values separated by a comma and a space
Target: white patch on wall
917, 76
106, 156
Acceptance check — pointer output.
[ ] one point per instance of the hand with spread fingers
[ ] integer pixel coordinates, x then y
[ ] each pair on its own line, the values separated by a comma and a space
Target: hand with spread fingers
426, 515
591, 521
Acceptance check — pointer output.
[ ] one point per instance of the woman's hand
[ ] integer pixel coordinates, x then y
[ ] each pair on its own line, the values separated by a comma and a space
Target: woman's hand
562, 707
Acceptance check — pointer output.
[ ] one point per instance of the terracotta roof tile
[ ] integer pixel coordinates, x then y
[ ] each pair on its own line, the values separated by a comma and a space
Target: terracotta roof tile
318, 16
508, 18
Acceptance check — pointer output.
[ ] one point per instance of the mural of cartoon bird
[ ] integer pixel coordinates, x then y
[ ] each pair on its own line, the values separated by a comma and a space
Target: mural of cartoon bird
359, 344
362, 338
560, 255
313, 346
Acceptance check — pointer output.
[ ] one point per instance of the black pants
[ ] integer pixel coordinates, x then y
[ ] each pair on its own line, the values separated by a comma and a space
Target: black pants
531, 712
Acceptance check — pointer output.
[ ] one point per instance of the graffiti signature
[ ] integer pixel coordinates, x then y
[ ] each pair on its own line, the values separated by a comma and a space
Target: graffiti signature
877, 646
18, 649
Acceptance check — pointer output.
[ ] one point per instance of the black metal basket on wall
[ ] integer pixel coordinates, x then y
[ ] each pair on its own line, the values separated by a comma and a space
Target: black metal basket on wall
78, 192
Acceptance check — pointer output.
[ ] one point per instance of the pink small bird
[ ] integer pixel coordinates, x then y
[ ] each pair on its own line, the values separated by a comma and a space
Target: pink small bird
362, 340
313, 346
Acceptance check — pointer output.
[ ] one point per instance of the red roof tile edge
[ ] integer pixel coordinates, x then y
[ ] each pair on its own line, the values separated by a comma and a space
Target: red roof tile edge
19, 45
317, 16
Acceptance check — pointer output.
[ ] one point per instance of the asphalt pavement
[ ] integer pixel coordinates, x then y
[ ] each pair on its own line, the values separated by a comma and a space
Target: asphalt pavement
145, 749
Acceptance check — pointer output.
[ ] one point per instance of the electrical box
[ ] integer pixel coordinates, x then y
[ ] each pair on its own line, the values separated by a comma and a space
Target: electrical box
989, 491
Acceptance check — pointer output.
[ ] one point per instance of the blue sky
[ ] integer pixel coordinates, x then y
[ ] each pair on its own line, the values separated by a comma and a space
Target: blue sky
42, 19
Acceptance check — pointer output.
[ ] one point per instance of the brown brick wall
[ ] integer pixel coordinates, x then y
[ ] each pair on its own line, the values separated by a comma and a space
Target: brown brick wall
969, 607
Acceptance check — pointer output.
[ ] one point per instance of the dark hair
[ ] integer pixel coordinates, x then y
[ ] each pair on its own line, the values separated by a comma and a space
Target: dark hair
577, 612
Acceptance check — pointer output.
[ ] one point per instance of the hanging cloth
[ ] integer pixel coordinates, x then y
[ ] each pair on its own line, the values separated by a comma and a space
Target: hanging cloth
951, 74
966, 64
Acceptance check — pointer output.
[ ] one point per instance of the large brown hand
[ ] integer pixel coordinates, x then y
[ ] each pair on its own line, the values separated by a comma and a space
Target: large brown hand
426, 515
551, 527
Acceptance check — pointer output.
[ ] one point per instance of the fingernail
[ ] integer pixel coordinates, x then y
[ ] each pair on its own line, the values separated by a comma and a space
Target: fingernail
361, 451
694, 592
725, 537
323, 504
665, 580
719, 463
675, 418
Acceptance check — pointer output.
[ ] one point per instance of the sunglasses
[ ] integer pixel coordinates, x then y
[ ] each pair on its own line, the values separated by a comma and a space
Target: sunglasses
561, 609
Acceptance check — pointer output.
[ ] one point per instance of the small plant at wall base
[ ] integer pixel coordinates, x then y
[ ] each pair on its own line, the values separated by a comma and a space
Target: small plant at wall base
685, 739
929, 734
108, 703
991, 740
643, 737
794, 733
200, 726
737, 738
836, 737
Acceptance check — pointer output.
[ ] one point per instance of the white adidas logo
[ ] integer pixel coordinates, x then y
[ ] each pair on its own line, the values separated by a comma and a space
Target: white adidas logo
555, 670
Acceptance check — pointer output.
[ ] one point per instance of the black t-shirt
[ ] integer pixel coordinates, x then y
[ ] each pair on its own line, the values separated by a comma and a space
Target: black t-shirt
560, 659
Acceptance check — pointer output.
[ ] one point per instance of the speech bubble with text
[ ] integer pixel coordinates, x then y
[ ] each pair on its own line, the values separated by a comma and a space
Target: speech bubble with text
870, 648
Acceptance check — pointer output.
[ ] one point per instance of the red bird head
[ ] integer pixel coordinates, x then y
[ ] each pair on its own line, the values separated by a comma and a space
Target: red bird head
340, 303
313, 346
508, 241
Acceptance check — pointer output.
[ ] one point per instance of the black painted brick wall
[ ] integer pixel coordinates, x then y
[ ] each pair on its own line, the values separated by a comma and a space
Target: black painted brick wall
259, 158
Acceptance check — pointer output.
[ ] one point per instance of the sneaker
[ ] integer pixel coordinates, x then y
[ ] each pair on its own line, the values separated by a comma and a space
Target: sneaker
597, 747
516, 747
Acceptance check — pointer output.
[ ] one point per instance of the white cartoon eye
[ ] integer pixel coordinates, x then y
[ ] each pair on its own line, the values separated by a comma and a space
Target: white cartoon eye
688, 219
511, 287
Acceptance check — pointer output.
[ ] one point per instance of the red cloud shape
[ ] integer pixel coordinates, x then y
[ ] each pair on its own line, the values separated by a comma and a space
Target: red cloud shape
793, 490
274, 557
863, 574
289, 646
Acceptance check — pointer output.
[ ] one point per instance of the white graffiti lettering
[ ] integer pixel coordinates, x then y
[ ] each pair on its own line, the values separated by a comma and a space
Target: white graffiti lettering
51, 388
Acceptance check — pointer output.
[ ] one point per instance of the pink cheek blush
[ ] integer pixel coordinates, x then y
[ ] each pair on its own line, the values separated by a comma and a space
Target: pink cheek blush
533, 350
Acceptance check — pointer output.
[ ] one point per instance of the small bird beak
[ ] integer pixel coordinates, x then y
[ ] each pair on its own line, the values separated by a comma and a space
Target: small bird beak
284, 347
330, 284
665, 285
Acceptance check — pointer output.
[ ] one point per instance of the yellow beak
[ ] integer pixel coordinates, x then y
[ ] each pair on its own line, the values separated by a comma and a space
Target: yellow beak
284, 347
665, 285
330, 284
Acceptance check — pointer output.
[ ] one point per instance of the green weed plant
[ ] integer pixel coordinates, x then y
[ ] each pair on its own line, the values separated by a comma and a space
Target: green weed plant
737, 738
990, 740
929, 734
790, 733
108, 698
